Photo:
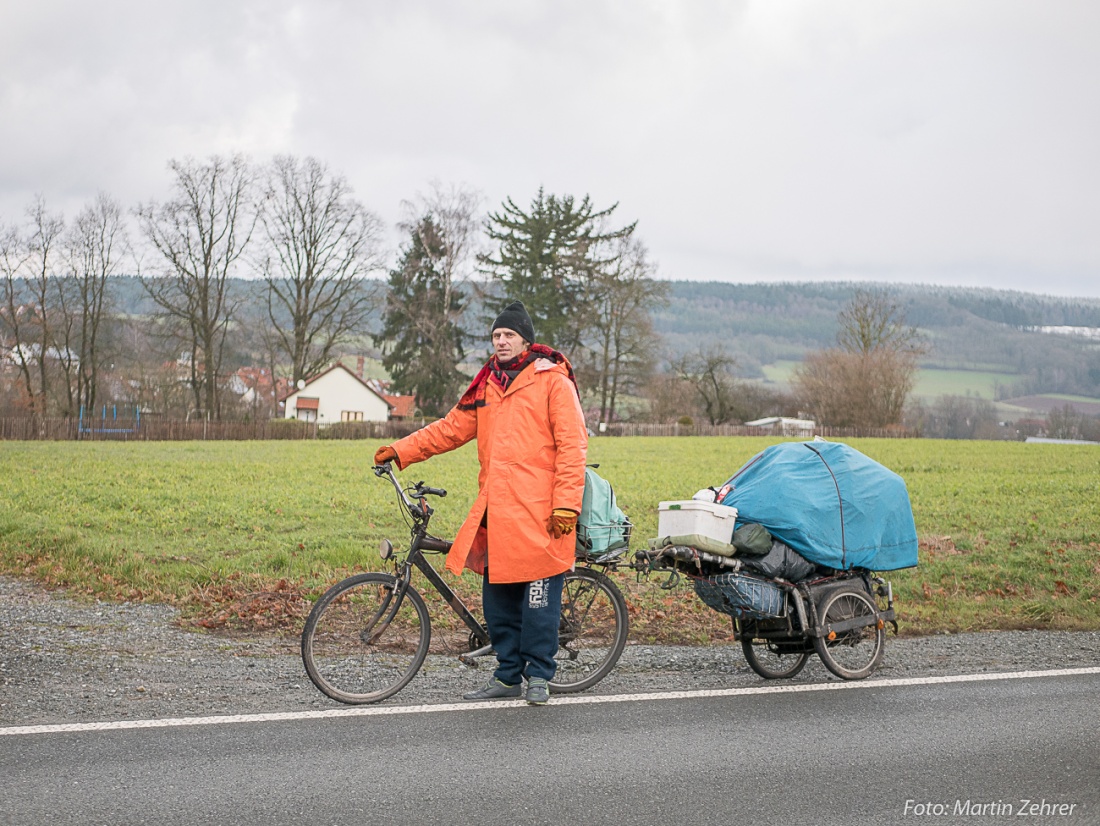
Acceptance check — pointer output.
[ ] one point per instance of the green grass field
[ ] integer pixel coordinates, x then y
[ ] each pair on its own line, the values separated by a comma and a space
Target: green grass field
243, 534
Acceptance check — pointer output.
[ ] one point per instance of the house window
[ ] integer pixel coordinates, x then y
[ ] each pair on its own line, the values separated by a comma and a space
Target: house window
351, 415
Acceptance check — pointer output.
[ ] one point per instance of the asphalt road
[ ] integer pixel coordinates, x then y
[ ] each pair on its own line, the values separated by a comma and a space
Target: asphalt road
873, 754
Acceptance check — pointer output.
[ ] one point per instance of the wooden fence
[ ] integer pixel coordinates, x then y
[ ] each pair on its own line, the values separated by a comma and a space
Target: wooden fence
627, 429
151, 429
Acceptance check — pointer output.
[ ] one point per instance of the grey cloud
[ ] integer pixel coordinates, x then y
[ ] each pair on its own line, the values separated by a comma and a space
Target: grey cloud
906, 140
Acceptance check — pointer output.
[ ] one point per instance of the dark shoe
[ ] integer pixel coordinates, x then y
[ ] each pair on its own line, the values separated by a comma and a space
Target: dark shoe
538, 692
494, 690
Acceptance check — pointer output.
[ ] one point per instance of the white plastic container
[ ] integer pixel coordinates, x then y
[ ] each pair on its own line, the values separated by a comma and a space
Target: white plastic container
691, 516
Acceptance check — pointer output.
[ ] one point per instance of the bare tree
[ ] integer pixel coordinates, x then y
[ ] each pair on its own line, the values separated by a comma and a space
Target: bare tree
97, 243
873, 321
267, 348
16, 314
64, 330
1064, 423
954, 417
151, 382
320, 244
853, 390
36, 347
1090, 428
201, 235
622, 343
710, 373
671, 398
866, 379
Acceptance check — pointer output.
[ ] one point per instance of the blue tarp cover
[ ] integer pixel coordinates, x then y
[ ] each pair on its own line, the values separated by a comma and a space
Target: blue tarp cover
830, 503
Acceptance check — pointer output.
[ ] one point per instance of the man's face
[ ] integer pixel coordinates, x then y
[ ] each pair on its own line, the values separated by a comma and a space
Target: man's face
507, 344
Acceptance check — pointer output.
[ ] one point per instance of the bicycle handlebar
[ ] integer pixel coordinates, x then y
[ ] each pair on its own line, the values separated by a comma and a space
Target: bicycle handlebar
386, 470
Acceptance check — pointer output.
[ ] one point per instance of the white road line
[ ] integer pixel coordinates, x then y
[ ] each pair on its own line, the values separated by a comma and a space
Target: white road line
558, 700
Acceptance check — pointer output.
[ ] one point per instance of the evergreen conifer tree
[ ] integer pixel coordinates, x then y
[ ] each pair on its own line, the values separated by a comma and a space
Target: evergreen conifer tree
420, 333
546, 258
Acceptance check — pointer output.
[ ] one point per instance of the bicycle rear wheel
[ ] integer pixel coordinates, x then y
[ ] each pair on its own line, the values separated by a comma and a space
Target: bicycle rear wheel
854, 651
361, 644
594, 627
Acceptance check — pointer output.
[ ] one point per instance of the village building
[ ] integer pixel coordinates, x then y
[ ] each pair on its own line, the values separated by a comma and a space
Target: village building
784, 426
336, 395
403, 407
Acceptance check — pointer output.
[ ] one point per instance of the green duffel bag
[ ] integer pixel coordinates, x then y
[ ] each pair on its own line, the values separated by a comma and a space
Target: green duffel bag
752, 540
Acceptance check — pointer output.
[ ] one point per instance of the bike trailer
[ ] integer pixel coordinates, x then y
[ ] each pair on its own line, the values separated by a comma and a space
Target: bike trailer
601, 526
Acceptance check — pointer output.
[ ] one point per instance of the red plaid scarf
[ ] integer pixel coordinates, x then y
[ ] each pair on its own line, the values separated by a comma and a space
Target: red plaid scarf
495, 371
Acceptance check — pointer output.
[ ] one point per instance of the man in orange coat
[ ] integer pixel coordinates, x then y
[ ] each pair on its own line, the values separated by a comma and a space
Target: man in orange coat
524, 410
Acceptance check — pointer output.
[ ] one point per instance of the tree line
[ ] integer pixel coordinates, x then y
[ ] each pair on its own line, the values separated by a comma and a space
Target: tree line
278, 267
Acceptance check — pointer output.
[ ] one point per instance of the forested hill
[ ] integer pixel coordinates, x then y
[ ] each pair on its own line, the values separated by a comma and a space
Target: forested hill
795, 317
764, 324
968, 328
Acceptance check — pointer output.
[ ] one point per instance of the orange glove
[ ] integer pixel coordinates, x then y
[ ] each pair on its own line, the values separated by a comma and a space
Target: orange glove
561, 522
385, 454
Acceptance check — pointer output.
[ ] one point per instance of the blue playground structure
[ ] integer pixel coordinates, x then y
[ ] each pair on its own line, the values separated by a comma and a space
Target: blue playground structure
112, 423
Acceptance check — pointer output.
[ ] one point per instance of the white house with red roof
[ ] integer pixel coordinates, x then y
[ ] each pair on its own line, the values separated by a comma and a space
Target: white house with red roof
337, 395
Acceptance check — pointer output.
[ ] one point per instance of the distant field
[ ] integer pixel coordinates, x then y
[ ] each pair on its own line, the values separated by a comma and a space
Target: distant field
243, 534
931, 382
780, 372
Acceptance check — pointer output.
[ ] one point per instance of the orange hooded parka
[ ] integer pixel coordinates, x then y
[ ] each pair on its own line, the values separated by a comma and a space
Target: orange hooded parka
531, 443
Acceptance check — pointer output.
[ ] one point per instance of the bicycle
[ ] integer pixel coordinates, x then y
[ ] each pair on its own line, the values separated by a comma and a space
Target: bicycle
368, 636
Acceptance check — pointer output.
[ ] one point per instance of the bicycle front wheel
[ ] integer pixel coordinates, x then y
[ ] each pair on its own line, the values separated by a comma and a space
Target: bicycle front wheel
593, 630
362, 643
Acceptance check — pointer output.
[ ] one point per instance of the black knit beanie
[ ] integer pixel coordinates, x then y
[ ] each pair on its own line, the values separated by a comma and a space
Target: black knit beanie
514, 317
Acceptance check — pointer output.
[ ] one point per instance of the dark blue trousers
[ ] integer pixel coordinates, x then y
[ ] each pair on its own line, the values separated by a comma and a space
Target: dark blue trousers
523, 619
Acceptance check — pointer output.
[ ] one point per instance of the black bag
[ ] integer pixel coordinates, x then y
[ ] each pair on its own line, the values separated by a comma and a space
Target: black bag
780, 562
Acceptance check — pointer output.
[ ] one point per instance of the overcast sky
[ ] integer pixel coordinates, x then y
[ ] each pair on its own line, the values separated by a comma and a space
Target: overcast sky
917, 141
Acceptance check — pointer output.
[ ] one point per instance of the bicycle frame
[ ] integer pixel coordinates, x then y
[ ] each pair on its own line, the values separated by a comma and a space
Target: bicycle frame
393, 643
420, 542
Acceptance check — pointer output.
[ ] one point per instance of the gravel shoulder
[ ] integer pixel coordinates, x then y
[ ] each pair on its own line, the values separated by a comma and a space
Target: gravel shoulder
66, 661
